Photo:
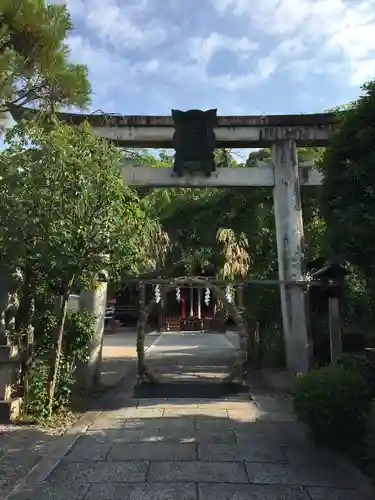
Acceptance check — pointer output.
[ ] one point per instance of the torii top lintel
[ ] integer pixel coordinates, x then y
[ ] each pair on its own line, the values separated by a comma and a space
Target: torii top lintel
231, 131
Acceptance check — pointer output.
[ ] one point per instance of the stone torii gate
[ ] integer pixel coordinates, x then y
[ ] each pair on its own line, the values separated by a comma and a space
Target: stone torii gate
283, 134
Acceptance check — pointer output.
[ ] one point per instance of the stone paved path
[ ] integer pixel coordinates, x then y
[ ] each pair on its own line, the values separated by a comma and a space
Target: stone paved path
232, 449
21, 447
192, 356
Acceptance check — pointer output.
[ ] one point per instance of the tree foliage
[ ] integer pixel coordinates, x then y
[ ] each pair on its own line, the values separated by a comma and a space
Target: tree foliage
348, 191
65, 214
34, 64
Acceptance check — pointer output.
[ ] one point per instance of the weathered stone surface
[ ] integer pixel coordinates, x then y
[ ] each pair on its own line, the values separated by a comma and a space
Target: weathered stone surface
21, 449
166, 435
202, 472
215, 436
251, 492
337, 494
265, 402
216, 424
277, 416
152, 451
189, 450
322, 475
294, 431
88, 449
140, 412
183, 425
240, 452
156, 403
118, 421
235, 403
268, 403
283, 433
57, 492
152, 436
309, 454
145, 491
248, 414
104, 423
99, 472
202, 412
98, 437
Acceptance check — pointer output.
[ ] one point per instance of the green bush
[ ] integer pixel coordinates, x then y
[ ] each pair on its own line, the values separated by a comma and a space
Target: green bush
357, 362
360, 363
78, 334
77, 337
334, 403
37, 389
370, 443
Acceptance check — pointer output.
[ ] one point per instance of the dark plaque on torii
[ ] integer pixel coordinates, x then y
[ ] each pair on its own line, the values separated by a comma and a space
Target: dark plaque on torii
194, 141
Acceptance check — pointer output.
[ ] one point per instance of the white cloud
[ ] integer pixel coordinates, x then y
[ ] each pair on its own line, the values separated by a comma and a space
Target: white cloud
114, 23
132, 48
321, 29
362, 72
203, 48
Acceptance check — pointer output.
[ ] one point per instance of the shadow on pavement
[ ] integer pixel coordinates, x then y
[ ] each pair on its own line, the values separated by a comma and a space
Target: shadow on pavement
190, 450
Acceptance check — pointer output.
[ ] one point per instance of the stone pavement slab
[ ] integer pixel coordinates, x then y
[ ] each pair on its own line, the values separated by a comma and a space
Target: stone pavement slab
21, 448
45, 491
211, 472
191, 356
251, 492
283, 433
204, 457
145, 491
99, 472
89, 449
200, 412
152, 451
336, 494
241, 452
230, 449
306, 475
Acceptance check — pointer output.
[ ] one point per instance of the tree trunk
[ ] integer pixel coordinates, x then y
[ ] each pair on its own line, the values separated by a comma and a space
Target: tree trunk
141, 331
54, 370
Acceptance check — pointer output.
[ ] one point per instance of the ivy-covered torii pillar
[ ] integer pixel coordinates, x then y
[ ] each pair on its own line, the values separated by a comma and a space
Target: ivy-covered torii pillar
290, 249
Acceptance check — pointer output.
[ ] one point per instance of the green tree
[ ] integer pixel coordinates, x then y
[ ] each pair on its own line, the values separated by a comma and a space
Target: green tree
348, 191
34, 65
71, 215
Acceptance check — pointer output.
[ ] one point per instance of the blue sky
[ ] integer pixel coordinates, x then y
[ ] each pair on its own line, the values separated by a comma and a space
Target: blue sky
240, 56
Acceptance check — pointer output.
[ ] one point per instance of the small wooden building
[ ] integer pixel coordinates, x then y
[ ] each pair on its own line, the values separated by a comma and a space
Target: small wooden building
179, 308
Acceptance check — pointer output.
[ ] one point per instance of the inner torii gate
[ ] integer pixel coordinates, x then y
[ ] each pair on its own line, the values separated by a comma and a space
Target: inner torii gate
283, 133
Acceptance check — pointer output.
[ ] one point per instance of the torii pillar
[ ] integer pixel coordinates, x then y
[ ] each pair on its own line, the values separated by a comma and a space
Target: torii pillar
290, 249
